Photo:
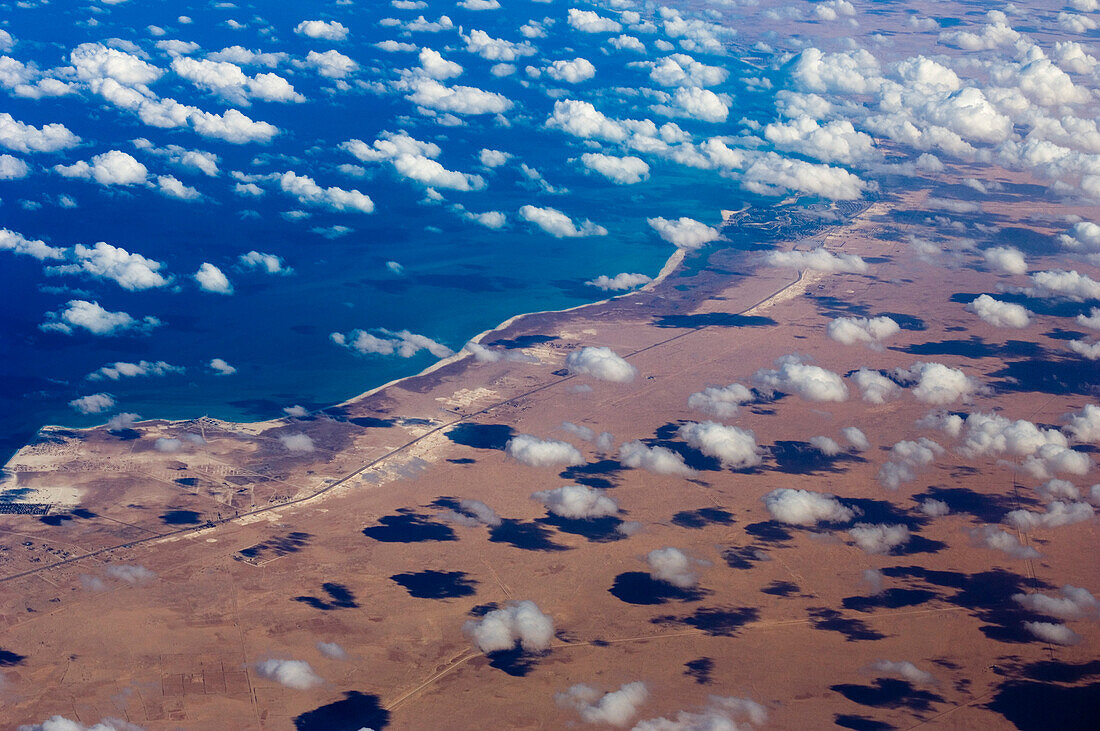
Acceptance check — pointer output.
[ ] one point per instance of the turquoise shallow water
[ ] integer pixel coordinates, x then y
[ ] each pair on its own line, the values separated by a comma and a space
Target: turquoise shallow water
459, 278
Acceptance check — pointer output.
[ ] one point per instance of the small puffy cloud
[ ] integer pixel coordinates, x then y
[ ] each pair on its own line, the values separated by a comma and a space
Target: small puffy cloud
938, 384
479, 4
472, 513
856, 438
299, 443
614, 708
998, 313
121, 422
493, 158
601, 363
559, 225
1075, 602
402, 343
621, 170
332, 650
588, 21
1085, 349
431, 94
901, 669
95, 319
269, 263
172, 187
684, 232
517, 623
121, 369
720, 714
851, 330
1045, 450
1054, 633
535, 452
720, 402
95, 403
129, 574
658, 460
772, 174
132, 272
879, 538
1056, 515
672, 566
12, 168
495, 49
331, 64
826, 445
1062, 284
221, 368
16, 135
571, 72
811, 382
934, 508
1005, 259
990, 536
806, 508
328, 31
296, 674
306, 190
819, 259
906, 457
434, 65
1084, 425
619, 282
212, 279
110, 168
168, 445
578, 502
17, 243
734, 447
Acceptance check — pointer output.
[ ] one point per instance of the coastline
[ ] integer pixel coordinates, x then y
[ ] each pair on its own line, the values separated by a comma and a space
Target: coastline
674, 261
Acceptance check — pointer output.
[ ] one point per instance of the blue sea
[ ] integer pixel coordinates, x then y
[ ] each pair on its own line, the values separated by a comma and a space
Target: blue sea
456, 278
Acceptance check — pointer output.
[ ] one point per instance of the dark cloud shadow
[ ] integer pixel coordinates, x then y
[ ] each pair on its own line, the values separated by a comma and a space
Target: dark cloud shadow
515, 662
279, 546
638, 587
437, 584
986, 508
860, 723
356, 711
742, 557
596, 530
802, 458
781, 588
1032, 706
712, 319
481, 436
702, 517
895, 598
889, 693
528, 536
854, 630
700, 670
339, 597
9, 658
408, 527
715, 621
988, 595
181, 517
523, 341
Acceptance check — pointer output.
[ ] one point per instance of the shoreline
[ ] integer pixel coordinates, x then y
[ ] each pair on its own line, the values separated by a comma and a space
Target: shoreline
668, 268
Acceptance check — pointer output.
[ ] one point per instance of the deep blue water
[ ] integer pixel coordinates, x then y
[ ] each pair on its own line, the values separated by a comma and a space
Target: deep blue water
459, 278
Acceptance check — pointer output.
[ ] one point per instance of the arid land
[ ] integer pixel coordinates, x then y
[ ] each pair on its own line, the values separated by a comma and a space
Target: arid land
251, 551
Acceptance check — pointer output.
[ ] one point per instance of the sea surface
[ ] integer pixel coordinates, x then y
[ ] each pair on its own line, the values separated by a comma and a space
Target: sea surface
457, 278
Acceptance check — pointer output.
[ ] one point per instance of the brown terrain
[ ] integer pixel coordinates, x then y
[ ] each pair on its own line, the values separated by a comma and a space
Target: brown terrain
248, 551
